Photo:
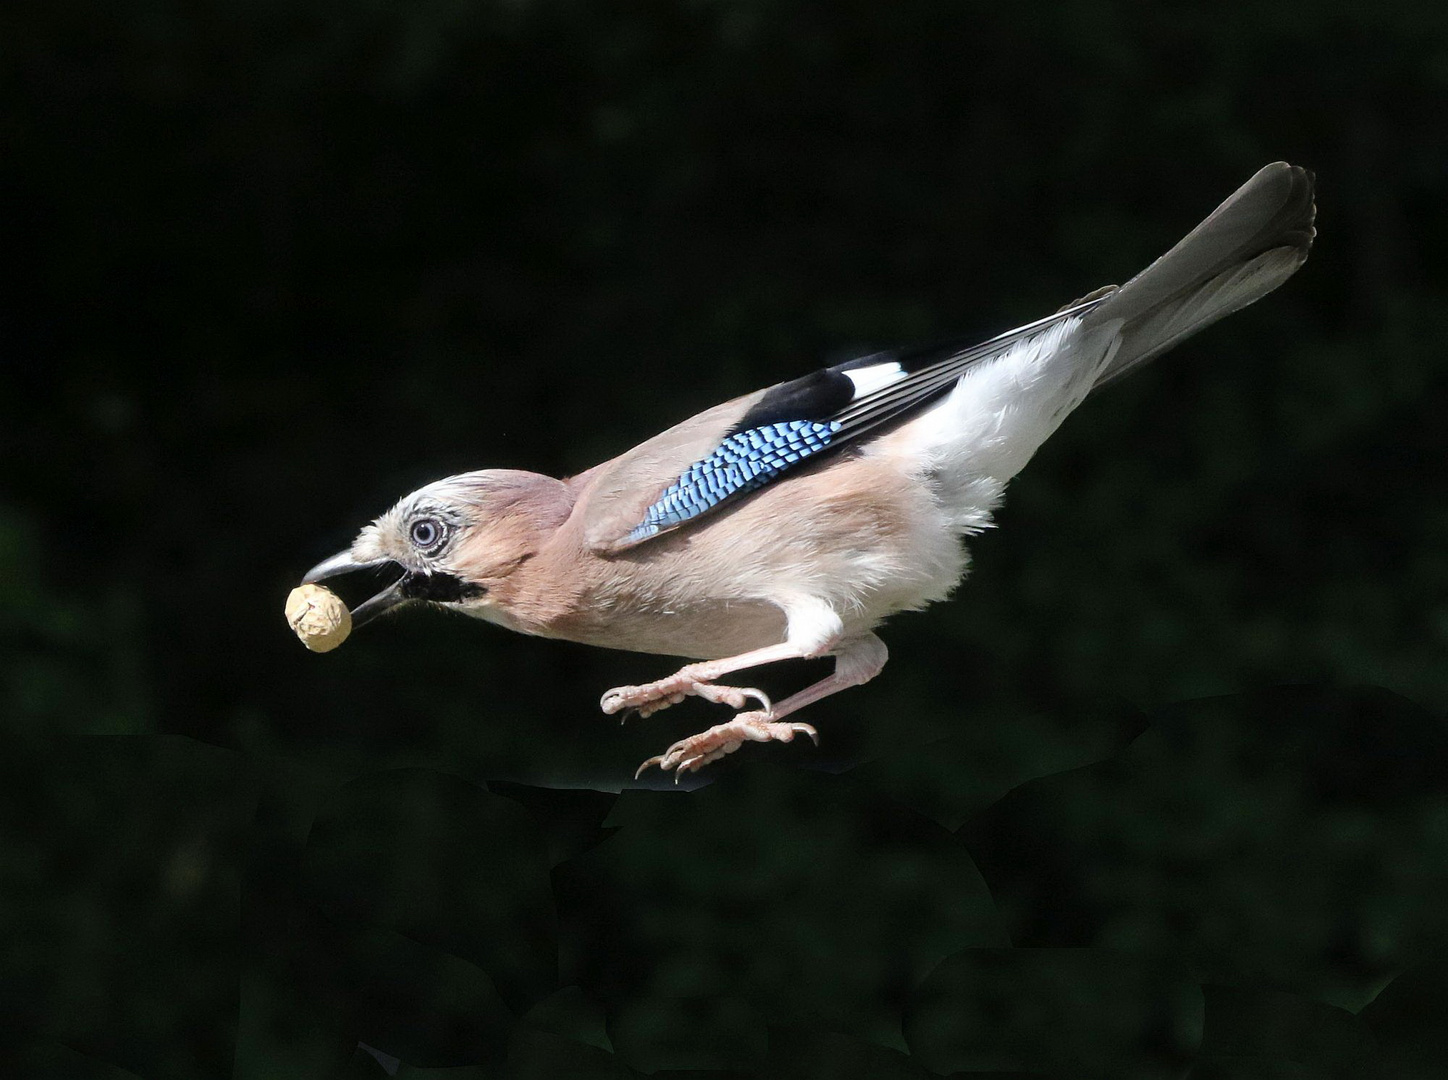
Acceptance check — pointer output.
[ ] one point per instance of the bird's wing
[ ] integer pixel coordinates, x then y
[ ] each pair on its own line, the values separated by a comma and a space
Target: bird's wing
615, 496
723, 454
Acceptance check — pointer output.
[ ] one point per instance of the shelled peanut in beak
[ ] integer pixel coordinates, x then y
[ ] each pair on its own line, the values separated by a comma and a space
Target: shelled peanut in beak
319, 617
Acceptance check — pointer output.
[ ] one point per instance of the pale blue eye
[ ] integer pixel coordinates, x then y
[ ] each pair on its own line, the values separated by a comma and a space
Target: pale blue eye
426, 532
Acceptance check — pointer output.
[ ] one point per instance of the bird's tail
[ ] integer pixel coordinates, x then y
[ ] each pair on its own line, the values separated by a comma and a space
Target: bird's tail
1247, 247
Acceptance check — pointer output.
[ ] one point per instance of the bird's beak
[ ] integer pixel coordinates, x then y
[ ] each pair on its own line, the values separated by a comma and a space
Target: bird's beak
344, 563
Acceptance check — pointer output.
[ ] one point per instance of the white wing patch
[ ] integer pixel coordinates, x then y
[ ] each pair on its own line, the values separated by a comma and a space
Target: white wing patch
869, 379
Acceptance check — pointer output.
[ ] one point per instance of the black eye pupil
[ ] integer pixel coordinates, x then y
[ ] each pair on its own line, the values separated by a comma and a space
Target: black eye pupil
425, 533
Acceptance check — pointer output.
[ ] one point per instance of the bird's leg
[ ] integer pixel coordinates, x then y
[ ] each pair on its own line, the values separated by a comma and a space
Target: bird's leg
697, 680
857, 661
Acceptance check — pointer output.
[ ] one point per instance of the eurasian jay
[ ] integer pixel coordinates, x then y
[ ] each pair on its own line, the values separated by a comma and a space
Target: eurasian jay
791, 522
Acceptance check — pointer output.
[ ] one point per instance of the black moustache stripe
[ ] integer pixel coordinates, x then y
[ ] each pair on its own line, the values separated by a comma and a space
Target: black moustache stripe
439, 588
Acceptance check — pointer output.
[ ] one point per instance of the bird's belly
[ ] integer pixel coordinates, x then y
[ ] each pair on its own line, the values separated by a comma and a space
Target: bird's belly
700, 630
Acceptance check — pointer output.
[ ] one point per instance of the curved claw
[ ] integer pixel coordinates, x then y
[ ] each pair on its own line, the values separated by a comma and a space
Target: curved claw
688, 764
658, 760
765, 705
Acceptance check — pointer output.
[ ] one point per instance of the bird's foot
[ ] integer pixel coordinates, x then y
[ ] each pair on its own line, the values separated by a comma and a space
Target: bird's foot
693, 753
690, 682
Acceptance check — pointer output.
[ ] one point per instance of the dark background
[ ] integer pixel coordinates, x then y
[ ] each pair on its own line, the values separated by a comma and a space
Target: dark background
1162, 792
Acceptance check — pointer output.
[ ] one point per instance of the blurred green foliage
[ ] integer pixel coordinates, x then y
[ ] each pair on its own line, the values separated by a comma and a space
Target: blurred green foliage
274, 265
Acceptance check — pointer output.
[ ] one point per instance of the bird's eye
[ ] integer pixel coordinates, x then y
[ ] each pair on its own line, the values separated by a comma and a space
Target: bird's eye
426, 533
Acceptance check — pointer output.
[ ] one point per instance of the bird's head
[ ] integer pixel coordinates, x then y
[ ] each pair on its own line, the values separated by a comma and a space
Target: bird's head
456, 542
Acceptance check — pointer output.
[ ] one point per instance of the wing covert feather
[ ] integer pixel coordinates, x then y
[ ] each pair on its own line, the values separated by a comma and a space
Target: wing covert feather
627, 486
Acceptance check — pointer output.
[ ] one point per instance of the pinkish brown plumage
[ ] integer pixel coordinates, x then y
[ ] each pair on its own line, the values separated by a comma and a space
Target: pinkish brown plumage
792, 522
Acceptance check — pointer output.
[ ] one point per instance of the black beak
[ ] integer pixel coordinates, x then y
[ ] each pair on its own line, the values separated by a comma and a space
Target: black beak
439, 587
344, 563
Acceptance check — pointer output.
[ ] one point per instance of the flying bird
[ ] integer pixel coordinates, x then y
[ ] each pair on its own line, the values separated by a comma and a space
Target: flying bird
791, 522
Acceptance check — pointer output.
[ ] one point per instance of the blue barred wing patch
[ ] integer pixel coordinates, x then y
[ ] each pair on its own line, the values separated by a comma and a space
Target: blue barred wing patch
743, 462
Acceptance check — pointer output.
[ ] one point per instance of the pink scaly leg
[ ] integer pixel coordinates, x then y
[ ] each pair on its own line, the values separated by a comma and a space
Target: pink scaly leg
857, 661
